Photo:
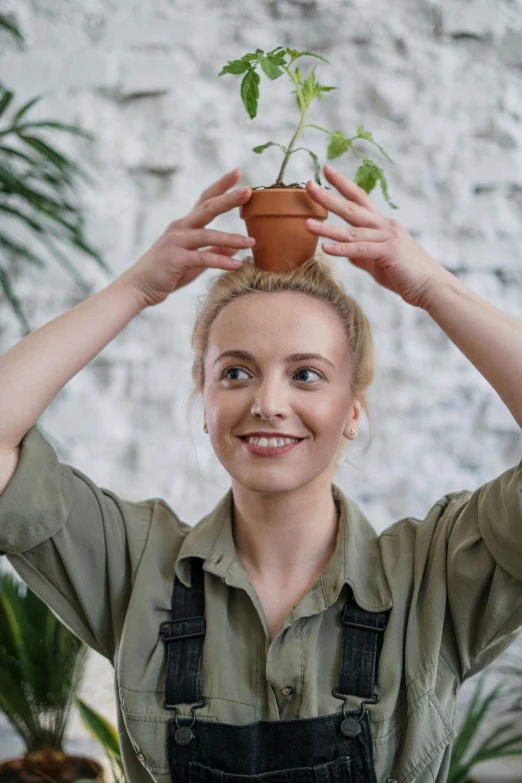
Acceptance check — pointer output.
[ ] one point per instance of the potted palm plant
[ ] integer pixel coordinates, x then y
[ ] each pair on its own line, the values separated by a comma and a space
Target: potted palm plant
100, 729
468, 750
41, 667
39, 192
276, 215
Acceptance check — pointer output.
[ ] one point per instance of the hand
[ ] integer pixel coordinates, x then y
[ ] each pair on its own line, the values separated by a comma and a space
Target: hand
379, 245
176, 259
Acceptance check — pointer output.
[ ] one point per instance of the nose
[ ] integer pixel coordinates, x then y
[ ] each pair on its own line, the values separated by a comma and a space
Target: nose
270, 399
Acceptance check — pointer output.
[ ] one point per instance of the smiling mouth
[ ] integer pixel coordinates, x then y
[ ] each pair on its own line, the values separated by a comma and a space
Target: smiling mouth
245, 438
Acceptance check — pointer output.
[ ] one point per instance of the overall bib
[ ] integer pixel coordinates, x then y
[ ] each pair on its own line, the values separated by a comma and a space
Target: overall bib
336, 747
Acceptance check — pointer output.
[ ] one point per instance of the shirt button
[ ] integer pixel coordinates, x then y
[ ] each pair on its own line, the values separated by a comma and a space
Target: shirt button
392, 780
287, 690
140, 756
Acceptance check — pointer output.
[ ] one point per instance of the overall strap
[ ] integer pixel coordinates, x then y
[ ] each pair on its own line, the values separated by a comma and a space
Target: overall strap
183, 636
362, 640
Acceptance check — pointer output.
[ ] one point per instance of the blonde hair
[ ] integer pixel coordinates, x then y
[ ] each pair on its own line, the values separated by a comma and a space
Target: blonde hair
317, 277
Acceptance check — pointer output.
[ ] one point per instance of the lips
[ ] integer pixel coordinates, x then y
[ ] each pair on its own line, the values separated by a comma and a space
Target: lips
246, 437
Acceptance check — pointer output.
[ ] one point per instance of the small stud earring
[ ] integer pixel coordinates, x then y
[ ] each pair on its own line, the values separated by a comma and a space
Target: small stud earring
352, 432
205, 428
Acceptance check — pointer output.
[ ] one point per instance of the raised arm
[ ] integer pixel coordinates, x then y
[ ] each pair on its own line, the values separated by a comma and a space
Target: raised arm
34, 370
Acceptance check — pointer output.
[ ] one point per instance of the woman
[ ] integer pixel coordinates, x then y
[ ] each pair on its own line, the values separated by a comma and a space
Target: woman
279, 639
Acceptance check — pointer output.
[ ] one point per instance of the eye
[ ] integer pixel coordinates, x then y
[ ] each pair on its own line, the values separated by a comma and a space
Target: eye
231, 369
240, 369
307, 369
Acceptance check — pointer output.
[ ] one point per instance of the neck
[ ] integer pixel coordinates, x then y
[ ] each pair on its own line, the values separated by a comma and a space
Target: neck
283, 537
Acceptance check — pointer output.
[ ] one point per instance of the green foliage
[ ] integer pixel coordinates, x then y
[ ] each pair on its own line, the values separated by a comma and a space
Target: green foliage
100, 729
464, 755
41, 666
38, 191
278, 62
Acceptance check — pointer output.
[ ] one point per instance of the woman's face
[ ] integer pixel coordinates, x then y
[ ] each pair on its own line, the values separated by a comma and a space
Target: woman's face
307, 398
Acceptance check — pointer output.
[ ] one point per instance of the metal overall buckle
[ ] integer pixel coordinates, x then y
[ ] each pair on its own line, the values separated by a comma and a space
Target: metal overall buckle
184, 734
351, 725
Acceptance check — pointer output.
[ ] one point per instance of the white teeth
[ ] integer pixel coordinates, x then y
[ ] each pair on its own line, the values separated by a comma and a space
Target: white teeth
272, 442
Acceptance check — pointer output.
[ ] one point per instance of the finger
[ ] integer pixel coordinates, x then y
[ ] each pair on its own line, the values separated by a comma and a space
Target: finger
228, 251
349, 189
348, 210
214, 260
221, 186
346, 234
191, 240
370, 251
217, 205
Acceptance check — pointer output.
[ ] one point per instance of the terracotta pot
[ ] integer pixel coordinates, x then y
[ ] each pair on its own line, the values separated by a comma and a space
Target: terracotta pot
276, 218
45, 765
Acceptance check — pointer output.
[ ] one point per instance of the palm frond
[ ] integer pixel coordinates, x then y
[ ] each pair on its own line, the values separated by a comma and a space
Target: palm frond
11, 27
39, 190
463, 757
41, 666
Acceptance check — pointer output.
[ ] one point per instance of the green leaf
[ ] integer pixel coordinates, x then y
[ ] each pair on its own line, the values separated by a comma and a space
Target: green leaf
235, 67
309, 88
470, 723
271, 66
262, 147
367, 135
100, 728
17, 154
337, 145
294, 54
366, 177
6, 99
15, 303
6, 24
59, 126
250, 92
321, 89
315, 160
25, 108
56, 158
21, 250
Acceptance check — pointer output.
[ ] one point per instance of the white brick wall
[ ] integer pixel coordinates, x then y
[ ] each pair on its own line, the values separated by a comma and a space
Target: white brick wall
438, 84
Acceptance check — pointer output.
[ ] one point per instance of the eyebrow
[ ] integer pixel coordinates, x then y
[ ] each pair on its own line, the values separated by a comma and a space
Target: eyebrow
294, 357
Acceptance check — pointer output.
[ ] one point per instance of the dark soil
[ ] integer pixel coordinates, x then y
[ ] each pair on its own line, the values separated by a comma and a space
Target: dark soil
292, 185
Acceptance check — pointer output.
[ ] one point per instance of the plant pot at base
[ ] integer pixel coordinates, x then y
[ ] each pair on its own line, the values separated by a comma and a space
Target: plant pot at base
50, 765
276, 218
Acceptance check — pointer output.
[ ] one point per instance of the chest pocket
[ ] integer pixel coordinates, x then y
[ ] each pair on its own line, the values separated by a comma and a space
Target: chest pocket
145, 720
407, 743
337, 771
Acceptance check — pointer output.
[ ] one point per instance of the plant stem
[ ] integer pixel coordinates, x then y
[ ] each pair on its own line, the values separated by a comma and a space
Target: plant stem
311, 125
279, 180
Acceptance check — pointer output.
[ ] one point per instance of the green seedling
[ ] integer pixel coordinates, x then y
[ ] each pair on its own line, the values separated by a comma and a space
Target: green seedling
274, 64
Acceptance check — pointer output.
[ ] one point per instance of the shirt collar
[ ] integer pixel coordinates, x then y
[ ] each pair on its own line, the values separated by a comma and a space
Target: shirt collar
356, 559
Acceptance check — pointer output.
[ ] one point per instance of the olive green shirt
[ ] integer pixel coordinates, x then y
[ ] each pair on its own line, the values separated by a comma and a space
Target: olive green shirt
105, 566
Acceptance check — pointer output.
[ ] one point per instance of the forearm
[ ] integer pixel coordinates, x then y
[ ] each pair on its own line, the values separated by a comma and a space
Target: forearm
490, 338
34, 370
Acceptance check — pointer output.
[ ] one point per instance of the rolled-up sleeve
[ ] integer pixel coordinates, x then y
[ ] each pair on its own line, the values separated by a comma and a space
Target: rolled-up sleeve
76, 545
482, 539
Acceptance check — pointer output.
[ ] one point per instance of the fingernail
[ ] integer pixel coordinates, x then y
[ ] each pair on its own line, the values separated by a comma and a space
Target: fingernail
330, 168
242, 191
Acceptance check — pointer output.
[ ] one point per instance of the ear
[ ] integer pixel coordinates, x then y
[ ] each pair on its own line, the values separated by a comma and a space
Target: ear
353, 420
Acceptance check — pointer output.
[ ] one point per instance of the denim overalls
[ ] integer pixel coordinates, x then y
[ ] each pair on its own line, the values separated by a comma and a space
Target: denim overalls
335, 747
